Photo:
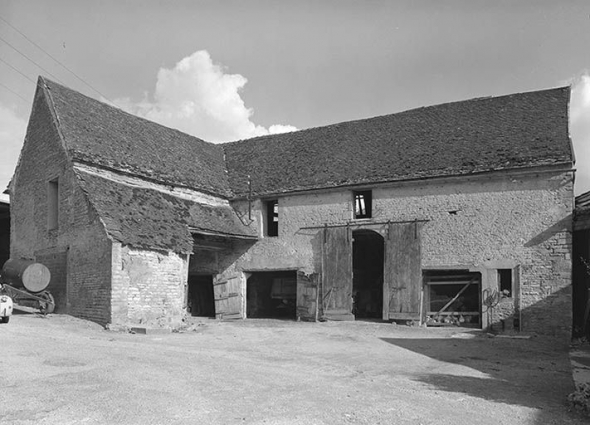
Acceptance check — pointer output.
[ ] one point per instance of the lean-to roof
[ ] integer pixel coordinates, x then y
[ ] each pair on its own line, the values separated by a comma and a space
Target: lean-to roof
147, 218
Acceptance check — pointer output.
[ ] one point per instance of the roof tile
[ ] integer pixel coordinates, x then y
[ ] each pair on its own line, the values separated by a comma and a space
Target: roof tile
97, 133
520, 130
147, 218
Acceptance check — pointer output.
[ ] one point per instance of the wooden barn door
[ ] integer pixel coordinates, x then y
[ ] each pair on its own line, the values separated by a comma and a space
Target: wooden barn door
337, 274
228, 297
403, 272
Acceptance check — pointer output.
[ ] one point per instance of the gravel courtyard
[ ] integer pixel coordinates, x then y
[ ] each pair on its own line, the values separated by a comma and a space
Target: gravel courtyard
62, 370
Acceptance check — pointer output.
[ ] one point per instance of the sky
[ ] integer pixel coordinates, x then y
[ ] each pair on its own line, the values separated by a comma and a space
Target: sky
228, 70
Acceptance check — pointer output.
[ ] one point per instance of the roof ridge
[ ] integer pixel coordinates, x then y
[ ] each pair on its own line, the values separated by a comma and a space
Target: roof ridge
134, 116
42, 83
462, 137
419, 108
98, 133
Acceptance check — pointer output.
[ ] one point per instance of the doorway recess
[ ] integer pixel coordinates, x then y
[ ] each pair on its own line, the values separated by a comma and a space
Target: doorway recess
367, 282
200, 300
272, 295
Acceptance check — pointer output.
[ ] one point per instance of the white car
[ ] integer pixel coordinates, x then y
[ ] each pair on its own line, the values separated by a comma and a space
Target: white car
5, 306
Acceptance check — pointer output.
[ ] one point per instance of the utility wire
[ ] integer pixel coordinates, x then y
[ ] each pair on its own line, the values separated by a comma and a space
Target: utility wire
34, 82
15, 93
18, 71
61, 64
30, 60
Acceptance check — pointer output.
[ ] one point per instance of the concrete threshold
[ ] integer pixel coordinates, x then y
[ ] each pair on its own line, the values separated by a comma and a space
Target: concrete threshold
149, 331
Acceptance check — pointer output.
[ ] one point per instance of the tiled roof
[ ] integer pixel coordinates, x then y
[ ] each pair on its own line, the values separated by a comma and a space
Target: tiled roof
97, 133
150, 219
583, 202
461, 138
519, 130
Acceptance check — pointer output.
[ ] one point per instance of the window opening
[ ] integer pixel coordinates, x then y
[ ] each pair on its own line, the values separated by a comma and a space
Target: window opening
272, 218
505, 282
452, 298
52, 204
363, 204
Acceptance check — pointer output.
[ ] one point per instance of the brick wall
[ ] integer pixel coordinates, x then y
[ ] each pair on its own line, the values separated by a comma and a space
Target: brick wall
481, 224
78, 250
57, 263
148, 287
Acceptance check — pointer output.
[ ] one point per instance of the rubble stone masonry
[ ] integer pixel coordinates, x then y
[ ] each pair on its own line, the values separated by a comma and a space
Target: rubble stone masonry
521, 221
78, 243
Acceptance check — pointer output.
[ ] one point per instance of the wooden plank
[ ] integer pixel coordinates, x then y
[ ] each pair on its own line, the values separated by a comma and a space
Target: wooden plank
403, 270
404, 316
232, 316
387, 271
456, 296
234, 300
220, 297
337, 274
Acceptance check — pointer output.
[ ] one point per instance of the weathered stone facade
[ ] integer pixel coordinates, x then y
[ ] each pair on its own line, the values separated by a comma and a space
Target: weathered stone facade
516, 221
78, 243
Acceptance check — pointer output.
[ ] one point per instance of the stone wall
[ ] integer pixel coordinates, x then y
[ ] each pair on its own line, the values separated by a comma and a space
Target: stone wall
520, 221
148, 287
77, 250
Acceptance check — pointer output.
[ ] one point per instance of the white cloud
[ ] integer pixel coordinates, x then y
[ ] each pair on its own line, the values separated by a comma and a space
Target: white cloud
198, 97
12, 135
580, 131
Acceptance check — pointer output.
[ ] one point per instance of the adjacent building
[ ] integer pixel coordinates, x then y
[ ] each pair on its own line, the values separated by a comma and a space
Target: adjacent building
581, 266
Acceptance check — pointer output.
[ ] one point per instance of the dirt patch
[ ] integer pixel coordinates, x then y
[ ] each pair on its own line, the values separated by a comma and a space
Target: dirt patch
62, 370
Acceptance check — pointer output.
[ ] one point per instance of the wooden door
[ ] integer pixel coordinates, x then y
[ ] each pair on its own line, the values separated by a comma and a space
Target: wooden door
403, 272
337, 274
228, 298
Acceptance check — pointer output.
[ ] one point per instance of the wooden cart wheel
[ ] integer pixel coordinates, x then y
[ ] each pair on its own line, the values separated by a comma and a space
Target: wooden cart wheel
48, 306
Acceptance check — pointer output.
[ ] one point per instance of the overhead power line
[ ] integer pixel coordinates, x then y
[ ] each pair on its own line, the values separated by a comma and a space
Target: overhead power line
24, 75
15, 93
30, 60
57, 61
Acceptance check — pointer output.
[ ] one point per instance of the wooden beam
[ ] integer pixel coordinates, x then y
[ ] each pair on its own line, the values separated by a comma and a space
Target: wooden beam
456, 296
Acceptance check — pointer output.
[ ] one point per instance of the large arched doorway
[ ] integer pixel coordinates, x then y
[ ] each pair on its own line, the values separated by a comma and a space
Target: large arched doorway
367, 282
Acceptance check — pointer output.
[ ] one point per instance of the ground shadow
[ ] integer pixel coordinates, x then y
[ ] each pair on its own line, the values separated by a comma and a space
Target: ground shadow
527, 372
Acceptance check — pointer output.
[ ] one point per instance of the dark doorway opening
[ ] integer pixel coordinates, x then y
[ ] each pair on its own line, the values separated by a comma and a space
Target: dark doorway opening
272, 295
200, 300
367, 278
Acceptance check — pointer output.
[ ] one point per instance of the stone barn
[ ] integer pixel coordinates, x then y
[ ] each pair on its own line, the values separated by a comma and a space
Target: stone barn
451, 215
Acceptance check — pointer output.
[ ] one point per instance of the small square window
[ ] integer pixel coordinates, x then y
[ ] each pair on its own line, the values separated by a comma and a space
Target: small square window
272, 218
363, 204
